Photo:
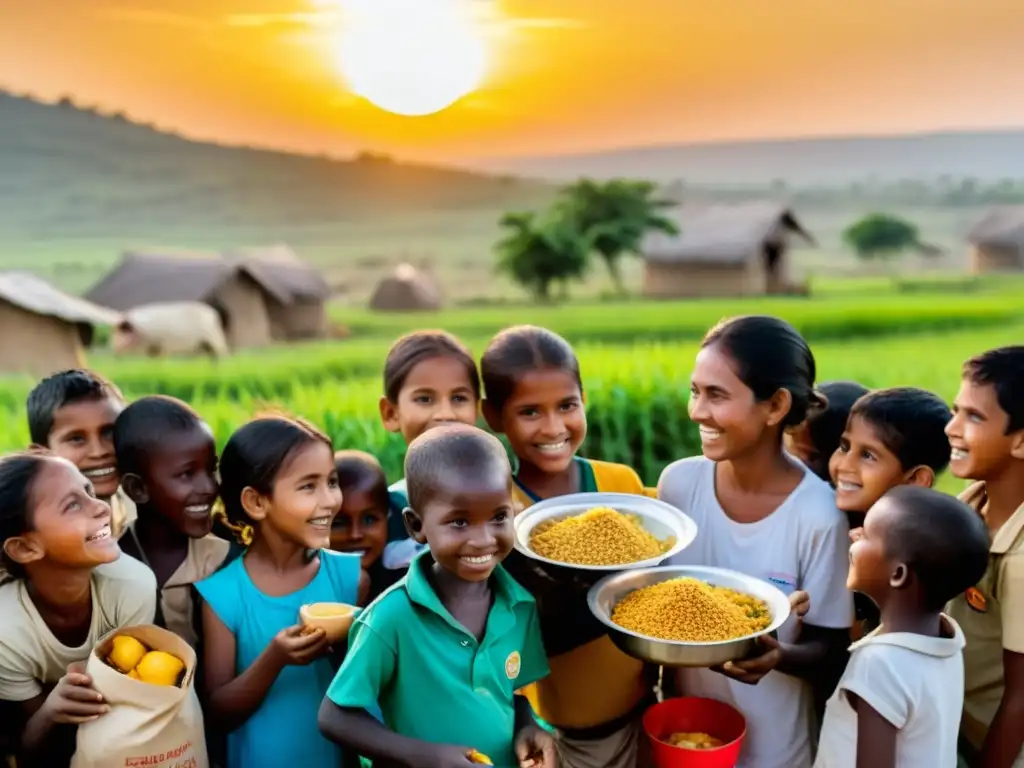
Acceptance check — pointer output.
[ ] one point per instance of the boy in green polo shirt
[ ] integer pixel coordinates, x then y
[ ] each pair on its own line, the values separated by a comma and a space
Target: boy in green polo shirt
444, 650
986, 436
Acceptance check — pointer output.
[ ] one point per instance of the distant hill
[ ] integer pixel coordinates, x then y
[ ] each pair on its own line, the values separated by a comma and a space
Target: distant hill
69, 170
986, 156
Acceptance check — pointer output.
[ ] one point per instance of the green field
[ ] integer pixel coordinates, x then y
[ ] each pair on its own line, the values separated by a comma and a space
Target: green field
636, 360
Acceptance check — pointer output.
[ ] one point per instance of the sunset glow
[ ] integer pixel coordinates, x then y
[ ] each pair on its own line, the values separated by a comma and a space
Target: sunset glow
411, 57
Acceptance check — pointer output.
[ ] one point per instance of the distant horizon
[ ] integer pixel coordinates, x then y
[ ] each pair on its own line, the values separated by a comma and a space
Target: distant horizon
110, 110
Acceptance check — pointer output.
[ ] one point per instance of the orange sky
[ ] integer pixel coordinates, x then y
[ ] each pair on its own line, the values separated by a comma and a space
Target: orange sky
569, 75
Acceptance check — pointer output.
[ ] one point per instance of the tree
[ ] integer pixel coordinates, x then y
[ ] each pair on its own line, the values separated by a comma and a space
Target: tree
535, 252
880, 236
615, 216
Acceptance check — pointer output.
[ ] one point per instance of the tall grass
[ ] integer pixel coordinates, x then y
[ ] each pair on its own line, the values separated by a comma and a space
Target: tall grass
636, 396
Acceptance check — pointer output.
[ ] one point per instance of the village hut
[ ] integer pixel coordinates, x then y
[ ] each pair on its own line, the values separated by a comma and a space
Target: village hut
241, 296
407, 289
44, 330
997, 241
722, 250
298, 292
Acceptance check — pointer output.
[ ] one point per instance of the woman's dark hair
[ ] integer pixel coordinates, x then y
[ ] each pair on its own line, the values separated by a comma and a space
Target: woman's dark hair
254, 456
18, 473
522, 349
769, 354
413, 348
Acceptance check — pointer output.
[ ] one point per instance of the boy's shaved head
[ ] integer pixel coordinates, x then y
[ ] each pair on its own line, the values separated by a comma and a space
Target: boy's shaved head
358, 469
441, 456
943, 541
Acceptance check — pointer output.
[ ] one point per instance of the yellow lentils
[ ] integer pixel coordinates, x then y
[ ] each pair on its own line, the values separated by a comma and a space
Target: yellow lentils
600, 536
691, 611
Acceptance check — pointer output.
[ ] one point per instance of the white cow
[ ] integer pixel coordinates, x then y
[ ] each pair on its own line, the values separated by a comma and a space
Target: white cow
171, 328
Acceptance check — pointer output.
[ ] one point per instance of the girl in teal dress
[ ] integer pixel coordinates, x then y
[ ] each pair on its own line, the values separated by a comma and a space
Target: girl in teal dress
266, 674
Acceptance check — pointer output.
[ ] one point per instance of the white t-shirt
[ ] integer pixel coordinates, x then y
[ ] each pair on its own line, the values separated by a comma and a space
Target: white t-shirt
31, 658
804, 544
914, 682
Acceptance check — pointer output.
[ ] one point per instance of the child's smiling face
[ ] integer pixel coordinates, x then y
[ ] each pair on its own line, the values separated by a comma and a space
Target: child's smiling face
870, 568
981, 447
436, 391
180, 480
70, 526
863, 468
362, 523
468, 524
83, 433
544, 419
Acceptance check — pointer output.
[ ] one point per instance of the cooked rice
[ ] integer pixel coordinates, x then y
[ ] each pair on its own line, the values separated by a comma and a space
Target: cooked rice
600, 536
691, 611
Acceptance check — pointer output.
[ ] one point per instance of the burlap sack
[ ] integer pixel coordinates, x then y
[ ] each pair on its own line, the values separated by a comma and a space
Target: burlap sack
148, 726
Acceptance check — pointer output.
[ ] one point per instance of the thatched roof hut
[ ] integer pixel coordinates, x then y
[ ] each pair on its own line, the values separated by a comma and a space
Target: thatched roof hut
44, 330
723, 250
997, 241
406, 290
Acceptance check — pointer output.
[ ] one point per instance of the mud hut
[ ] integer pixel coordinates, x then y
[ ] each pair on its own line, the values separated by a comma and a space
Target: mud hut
44, 330
407, 289
723, 250
298, 292
996, 242
241, 296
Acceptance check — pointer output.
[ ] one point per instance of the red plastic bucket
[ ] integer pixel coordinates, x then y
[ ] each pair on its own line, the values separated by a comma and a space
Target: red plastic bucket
690, 714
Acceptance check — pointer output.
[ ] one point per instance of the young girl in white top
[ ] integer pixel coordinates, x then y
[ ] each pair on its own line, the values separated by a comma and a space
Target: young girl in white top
898, 703
761, 512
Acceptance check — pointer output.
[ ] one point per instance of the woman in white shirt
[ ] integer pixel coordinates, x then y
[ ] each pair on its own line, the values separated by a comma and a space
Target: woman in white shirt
761, 512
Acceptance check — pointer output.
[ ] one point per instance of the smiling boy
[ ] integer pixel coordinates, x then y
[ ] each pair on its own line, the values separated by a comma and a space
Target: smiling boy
457, 629
72, 413
987, 439
168, 461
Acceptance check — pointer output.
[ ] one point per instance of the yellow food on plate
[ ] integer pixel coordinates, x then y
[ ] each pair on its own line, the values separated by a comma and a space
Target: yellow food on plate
134, 675
694, 740
160, 668
691, 611
125, 653
479, 757
599, 536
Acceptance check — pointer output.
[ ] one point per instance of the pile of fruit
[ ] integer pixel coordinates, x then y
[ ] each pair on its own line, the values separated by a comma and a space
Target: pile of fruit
131, 657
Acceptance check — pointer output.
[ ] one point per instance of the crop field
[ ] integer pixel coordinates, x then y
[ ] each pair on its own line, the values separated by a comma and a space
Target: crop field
636, 360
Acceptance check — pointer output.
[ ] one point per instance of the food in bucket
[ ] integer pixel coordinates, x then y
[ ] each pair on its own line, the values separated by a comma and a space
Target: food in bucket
130, 656
691, 611
479, 758
599, 536
694, 741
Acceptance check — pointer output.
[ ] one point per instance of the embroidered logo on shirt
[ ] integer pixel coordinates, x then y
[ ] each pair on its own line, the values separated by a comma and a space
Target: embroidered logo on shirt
512, 665
976, 600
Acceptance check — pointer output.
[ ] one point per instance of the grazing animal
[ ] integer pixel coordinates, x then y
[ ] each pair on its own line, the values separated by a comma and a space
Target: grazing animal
171, 328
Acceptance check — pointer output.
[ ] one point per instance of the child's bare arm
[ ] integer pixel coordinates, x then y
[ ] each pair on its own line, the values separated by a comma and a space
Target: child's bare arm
357, 730
1005, 736
232, 699
876, 736
71, 702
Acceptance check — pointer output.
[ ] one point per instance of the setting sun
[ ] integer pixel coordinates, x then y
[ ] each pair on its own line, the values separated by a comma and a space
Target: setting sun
411, 57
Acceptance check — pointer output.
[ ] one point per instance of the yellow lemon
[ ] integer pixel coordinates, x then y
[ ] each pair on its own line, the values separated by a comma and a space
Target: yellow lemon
126, 653
134, 675
160, 668
479, 758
